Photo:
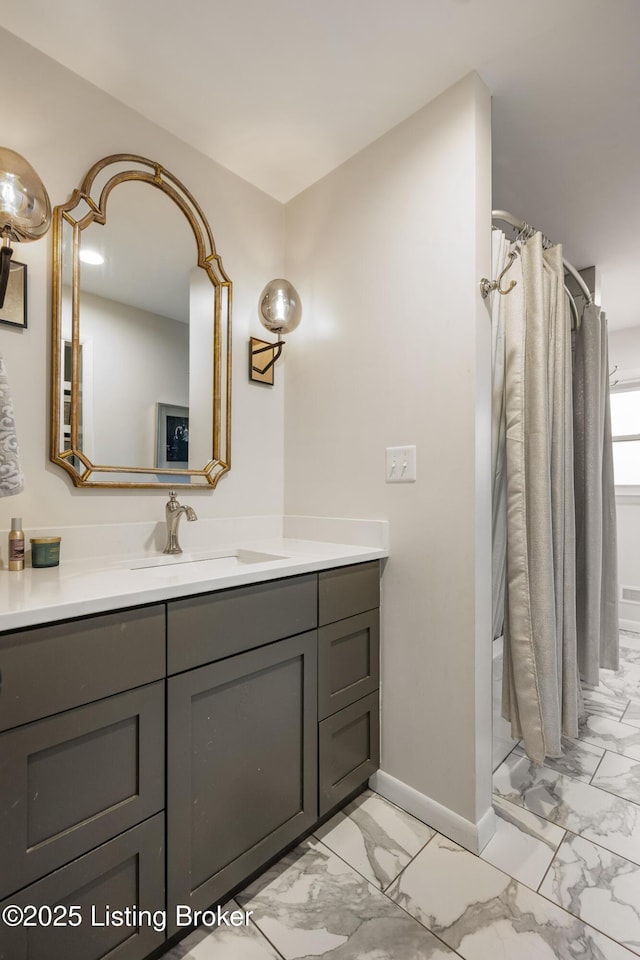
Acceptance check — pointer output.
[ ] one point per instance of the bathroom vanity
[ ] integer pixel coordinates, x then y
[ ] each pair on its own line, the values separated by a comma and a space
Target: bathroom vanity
158, 754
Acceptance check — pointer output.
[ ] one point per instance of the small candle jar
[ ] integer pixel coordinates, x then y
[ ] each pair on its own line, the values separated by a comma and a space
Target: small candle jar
45, 551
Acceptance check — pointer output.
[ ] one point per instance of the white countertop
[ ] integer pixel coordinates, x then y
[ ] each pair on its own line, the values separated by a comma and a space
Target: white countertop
95, 585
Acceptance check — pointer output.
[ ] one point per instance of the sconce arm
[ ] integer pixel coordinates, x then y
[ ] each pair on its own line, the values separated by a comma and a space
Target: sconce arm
275, 348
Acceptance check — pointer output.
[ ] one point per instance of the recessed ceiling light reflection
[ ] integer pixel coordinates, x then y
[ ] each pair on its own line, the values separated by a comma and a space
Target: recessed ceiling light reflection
91, 256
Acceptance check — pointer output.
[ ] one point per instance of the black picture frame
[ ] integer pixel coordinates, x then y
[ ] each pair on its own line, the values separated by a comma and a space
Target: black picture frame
14, 309
172, 433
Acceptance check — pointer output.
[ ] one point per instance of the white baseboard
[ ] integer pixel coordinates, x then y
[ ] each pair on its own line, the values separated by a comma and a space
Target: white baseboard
471, 836
633, 625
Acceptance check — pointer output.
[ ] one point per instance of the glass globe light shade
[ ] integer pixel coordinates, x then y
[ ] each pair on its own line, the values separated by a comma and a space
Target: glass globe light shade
279, 307
25, 210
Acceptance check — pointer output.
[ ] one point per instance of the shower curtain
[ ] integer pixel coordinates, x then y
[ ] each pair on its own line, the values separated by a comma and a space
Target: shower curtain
499, 259
534, 500
597, 606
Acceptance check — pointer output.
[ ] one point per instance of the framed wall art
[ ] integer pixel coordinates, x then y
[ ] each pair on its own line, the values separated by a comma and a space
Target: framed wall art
172, 439
14, 309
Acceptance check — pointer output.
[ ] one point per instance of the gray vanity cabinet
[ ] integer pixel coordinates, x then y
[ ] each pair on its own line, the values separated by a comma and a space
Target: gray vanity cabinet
242, 766
268, 694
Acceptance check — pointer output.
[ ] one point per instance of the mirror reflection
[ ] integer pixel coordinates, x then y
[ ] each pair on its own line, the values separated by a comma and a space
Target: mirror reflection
142, 351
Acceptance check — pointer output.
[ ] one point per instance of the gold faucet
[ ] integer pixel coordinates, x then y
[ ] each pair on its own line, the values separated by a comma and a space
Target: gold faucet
174, 511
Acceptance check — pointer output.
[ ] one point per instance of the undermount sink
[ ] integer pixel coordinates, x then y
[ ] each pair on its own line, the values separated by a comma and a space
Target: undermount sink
227, 560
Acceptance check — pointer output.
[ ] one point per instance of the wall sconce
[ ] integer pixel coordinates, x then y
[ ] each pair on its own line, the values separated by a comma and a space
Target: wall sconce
280, 311
25, 210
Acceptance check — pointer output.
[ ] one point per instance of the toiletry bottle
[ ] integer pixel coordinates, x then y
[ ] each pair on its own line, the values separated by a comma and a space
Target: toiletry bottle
16, 545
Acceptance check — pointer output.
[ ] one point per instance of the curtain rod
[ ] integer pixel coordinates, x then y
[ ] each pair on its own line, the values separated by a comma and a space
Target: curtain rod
522, 225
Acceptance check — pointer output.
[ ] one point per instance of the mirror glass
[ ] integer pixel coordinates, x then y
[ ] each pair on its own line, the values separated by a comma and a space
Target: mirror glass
141, 333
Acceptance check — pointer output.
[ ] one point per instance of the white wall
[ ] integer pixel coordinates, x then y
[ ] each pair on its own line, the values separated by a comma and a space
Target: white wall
62, 125
624, 352
394, 349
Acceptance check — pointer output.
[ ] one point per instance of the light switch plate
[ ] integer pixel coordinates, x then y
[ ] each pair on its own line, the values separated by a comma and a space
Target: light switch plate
400, 464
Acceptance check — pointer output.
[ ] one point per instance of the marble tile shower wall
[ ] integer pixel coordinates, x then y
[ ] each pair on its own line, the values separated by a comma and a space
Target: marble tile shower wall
559, 881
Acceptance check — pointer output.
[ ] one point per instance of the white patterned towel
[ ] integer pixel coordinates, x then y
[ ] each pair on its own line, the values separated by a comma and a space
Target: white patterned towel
11, 475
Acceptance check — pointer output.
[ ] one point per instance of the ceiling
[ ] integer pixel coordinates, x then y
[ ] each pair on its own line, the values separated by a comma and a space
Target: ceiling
283, 91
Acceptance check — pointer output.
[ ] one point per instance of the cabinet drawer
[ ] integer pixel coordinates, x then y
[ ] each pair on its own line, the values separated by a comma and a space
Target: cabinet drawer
348, 590
348, 661
349, 750
48, 669
217, 625
126, 872
71, 782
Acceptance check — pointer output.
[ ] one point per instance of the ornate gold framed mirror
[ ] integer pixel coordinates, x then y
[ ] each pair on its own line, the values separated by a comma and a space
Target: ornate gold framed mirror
141, 371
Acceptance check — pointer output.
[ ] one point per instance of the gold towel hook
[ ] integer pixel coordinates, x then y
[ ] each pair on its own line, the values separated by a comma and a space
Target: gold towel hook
486, 286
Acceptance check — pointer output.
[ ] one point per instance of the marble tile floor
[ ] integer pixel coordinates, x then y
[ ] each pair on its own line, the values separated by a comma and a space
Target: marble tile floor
560, 880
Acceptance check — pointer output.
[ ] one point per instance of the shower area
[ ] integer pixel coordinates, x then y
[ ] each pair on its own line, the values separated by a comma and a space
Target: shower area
555, 589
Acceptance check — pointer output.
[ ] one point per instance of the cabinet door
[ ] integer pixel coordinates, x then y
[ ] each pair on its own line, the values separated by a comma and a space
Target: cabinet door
123, 877
242, 766
70, 782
